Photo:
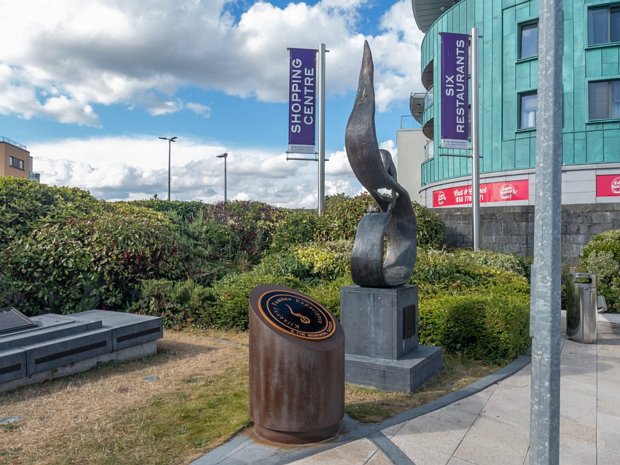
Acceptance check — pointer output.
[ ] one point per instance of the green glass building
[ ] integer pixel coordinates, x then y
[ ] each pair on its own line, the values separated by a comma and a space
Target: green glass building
508, 65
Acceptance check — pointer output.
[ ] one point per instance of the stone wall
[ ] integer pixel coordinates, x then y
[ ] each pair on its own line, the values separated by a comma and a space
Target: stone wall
511, 229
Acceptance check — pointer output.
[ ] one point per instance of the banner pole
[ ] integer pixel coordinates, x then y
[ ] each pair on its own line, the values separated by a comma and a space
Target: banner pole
545, 316
475, 142
321, 115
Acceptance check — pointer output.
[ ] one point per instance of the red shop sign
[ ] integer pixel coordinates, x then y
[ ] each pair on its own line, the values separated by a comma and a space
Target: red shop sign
608, 185
503, 191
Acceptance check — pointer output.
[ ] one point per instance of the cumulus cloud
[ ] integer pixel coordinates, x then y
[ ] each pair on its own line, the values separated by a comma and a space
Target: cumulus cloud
124, 168
75, 54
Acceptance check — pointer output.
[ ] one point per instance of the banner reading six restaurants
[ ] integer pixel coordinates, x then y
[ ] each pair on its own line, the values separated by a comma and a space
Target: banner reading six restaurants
454, 91
302, 100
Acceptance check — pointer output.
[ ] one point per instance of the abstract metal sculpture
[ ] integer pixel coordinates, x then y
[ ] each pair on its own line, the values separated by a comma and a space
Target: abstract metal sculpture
384, 250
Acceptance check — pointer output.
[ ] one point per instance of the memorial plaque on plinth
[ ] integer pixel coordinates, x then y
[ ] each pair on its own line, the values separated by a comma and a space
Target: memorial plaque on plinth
296, 367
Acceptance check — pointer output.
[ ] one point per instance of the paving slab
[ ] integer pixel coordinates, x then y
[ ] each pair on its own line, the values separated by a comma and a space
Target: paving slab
492, 442
354, 453
484, 424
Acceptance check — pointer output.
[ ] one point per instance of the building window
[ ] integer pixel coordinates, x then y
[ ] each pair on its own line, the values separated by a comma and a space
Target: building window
604, 99
604, 25
15, 162
528, 102
528, 40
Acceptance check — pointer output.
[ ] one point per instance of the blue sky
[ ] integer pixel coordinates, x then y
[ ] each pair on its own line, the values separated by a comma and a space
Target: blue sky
89, 85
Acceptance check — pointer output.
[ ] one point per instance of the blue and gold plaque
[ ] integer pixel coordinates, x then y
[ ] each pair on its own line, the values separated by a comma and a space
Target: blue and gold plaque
296, 314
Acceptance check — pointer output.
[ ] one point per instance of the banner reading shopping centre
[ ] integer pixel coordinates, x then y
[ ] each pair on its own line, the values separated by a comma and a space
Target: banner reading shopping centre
302, 101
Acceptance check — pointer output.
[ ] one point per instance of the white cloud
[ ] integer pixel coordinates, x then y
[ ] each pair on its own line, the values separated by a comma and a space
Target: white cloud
129, 168
74, 54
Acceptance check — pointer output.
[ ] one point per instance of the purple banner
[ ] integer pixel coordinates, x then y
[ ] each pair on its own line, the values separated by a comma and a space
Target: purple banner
454, 91
302, 100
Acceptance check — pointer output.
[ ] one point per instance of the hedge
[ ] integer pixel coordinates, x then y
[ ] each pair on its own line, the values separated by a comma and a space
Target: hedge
602, 257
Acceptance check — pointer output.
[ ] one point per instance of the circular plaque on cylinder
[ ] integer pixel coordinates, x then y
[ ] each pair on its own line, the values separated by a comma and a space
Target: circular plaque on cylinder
296, 367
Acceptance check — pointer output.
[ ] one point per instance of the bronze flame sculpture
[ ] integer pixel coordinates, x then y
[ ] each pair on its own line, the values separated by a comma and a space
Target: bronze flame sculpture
384, 250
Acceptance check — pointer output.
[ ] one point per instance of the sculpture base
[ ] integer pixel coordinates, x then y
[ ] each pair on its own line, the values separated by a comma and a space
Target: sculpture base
405, 374
381, 343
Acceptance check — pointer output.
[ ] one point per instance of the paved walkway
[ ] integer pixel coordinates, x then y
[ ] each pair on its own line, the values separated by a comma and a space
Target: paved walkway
485, 424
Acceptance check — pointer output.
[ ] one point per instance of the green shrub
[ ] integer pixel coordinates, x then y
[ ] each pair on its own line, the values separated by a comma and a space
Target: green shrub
441, 271
283, 263
327, 293
24, 203
602, 257
252, 222
178, 303
326, 260
297, 227
490, 326
232, 295
76, 264
343, 214
431, 232
495, 260
179, 211
210, 250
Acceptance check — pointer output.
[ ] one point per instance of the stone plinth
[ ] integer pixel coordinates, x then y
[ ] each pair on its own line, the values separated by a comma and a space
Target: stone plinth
381, 343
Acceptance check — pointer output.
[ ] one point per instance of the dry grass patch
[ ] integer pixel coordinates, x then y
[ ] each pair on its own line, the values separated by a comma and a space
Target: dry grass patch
112, 416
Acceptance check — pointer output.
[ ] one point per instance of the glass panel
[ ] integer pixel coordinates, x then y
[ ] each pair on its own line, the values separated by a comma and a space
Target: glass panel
529, 102
428, 98
529, 41
614, 24
598, 100
430, 150
598, 32
615, 99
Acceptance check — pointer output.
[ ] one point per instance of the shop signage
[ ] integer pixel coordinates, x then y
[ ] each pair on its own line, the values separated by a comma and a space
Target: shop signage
608, 185
503, 191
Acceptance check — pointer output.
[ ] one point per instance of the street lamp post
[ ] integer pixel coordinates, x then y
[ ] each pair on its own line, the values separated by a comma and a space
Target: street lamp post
170, 140
224, 156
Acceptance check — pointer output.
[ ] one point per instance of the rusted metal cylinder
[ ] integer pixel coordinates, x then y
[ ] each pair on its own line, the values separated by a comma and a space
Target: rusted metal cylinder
296, 367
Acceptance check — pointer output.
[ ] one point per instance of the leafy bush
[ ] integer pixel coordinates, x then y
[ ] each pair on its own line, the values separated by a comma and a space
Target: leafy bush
24, 203
232, 295
179, 211
283, 263
327, 293
76, 264
178, 303
297, 227
440, 271
252, 222
327, 260
495, 261
493, 326
431, 232
343, 214
210, 250
602, 257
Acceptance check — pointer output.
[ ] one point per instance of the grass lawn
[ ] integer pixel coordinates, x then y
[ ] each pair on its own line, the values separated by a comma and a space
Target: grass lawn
113, 415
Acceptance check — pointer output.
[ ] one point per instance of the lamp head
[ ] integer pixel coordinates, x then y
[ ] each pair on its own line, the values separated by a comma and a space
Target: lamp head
223, 155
